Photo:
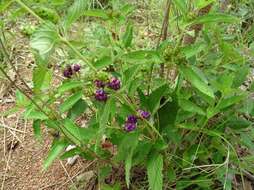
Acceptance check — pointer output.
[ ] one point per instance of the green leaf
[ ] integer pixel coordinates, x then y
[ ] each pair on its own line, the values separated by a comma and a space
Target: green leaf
189, 106
103, 120
129, 75
238, 123
202, 3
57, 147
69, 102
171, 174
229, 101
41, 78
5, 4
142, 56
44, 39
181, 5
103, 62
128, 162
69, 85
37, 129
215, 18
223, 83
128, 35
194, 49
196, 81
97, 13
167, 118
78, 108
155, 97
154, 171
241, 76
70, 153
33, 114
76, 10
21, 99
78, 134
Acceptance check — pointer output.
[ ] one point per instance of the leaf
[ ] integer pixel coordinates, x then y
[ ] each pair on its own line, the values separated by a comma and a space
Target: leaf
21, 99
155, 97
194, 49
167, 118
78, 134
37, 129
76, 10
143, 99
223, 83
189, 106
181, 5
129, 75
215, 18
78, 108
70, 153
142, 56
33, 114
196, 81
103, 120
240, 76
56, 148
103, 62
202, 3
69, 102
238, 123
154, 171
128, 162
128, 35
41, 78
229, 101
69, 85
97, 13
44, 39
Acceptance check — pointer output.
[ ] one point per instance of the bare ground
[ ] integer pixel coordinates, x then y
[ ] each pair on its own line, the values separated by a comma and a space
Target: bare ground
22, 158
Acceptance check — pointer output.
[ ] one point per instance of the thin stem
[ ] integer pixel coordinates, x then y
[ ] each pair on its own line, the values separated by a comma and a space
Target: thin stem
29, 10
78, 53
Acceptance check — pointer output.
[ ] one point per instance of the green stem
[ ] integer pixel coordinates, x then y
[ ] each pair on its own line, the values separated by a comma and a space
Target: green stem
78, 53
29, 10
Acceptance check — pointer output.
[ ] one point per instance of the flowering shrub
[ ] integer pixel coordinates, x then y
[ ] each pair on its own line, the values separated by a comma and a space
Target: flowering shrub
177, 110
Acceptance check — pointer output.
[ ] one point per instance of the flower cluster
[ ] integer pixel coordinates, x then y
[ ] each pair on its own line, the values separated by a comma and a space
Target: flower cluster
114, 83
131, 123
131, 120
100, 94
70, 70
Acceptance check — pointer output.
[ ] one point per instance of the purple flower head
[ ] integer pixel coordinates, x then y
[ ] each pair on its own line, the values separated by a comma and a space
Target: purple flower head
131, 119
101, 95
76, 67
144, 114
99, 83
114, 83
67, 72
130, 126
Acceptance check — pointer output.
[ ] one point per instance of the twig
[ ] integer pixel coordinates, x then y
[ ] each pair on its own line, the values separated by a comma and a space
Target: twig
69, 177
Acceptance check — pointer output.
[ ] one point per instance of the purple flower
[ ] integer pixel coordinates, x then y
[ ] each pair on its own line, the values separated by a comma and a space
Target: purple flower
99, 83
76, 67
131, 119
130, 126
67, 72
101, 95
144, 114
114, 83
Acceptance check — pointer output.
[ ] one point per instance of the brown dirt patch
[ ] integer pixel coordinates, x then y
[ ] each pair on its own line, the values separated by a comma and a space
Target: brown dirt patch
24, 171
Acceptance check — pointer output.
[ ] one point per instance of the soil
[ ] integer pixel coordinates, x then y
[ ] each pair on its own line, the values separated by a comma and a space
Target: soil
21, 160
